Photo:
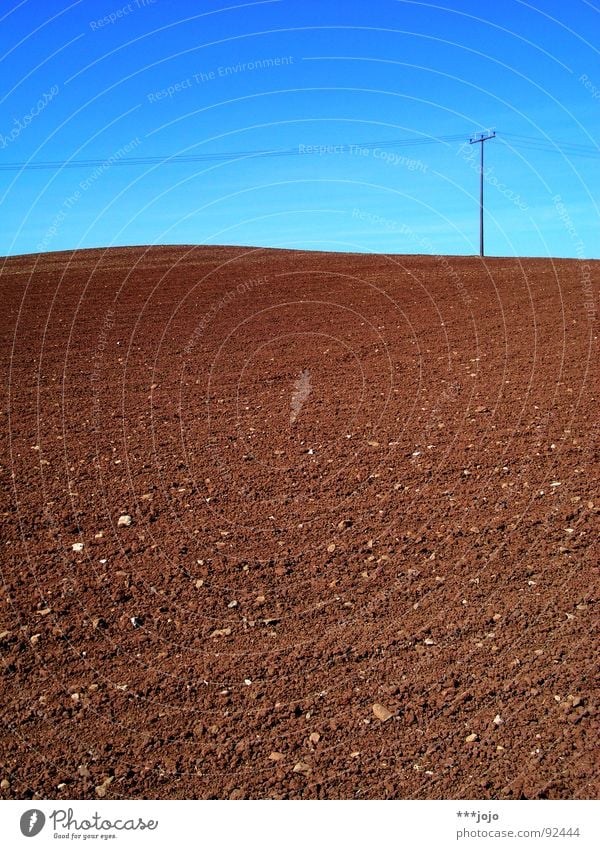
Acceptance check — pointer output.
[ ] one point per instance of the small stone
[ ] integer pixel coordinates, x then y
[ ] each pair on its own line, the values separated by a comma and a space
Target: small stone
34, 639
498, 719
302, 768
102, 788
331, 547
381, 712
232, 604
373, 443
471, 738
124, 521
77, 546
429, 642
221, 632
136, 621
276, 756
5, 784
314, 737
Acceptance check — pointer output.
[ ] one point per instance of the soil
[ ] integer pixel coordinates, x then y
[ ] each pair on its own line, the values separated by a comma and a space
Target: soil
362, 553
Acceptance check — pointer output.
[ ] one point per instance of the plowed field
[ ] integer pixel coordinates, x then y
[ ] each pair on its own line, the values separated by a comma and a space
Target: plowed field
357, 554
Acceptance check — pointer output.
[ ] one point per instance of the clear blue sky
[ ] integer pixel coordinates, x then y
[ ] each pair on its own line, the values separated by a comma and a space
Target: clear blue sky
320, 72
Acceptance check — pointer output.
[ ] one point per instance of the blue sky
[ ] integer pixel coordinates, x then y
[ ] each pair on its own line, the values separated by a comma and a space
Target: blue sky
105, 82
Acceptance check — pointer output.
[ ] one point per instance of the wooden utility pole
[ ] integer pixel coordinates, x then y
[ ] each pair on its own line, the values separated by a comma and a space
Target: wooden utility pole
480, 138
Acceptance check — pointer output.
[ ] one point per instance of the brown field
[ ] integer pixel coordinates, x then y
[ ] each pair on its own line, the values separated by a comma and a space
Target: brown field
353, 481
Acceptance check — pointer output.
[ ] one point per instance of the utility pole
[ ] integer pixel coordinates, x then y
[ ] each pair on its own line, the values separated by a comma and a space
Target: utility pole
480, 138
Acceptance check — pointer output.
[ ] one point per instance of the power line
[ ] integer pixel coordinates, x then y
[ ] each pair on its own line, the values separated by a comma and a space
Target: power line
548, 146
177, 159
509, 139
548, 141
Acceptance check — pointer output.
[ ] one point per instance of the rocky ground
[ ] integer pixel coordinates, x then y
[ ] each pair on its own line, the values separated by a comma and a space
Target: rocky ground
298, 525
